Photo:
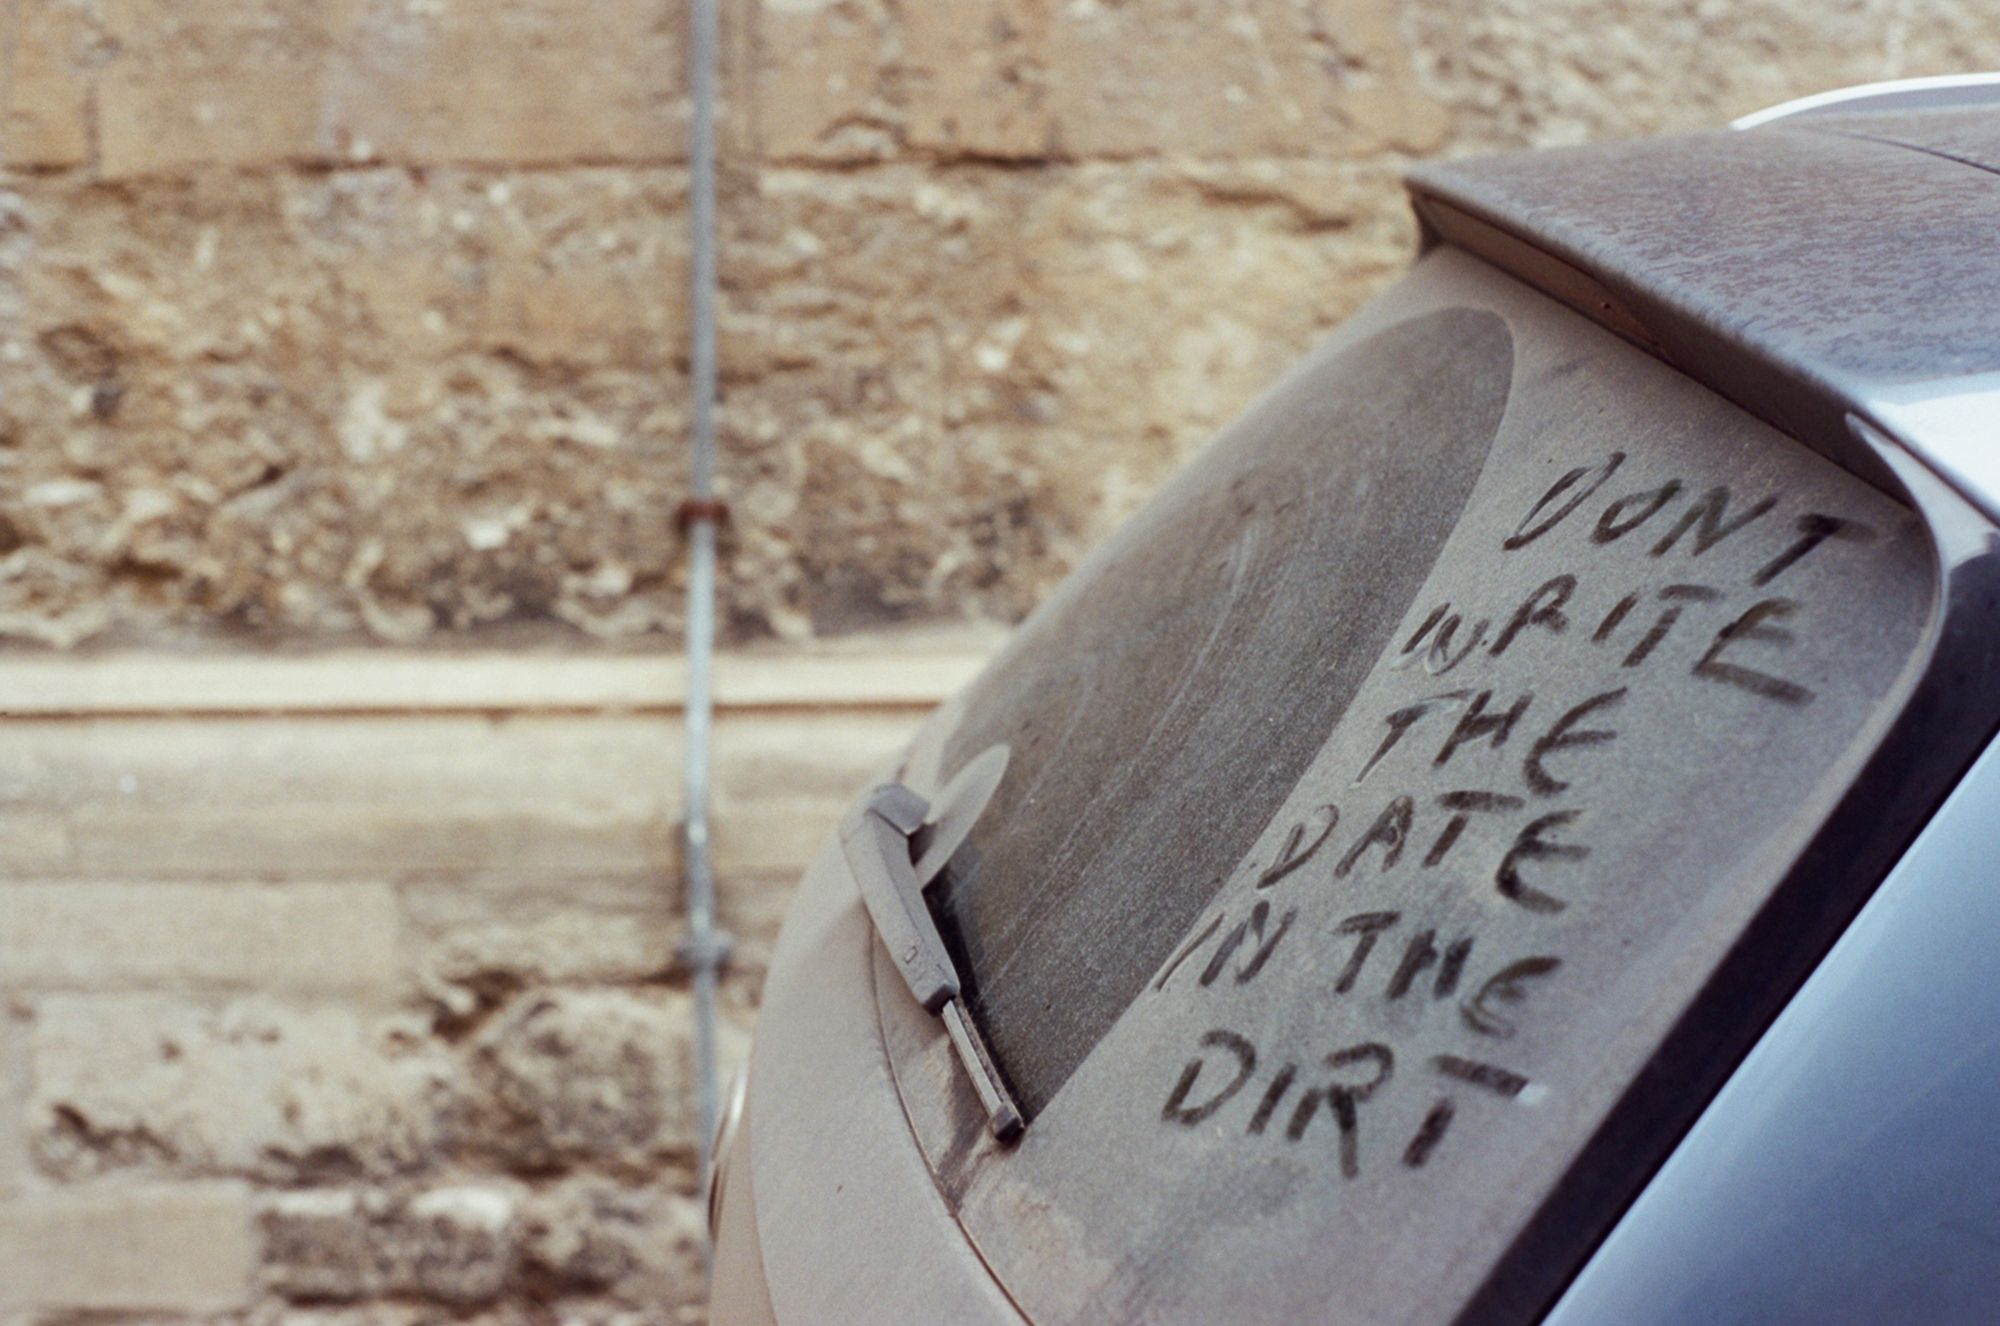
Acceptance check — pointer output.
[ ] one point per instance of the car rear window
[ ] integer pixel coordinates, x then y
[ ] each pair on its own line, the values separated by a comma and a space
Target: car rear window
1377, 799
1161, 707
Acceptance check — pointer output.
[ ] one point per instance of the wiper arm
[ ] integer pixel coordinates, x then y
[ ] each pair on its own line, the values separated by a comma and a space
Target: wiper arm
882, 837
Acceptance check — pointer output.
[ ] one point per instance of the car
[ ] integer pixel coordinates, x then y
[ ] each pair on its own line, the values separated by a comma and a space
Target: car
1511, 833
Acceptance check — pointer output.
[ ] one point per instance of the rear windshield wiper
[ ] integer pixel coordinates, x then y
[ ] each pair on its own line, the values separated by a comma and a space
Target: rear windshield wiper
883, 838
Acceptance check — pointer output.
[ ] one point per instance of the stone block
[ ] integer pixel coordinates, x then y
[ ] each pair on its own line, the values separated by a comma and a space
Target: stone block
219, 83
1943, 38
173, 271
518, 82
321, 1244
639, 1245
283, 1094
822, 89
1015, 79
475, 943
16, 1080
91, 935
541, 796
579, 271
487, 934
458, 1245
357, 797
184, 1249
978, 79
32, 843
561, 1077
44, 122
231, 83
1530, 73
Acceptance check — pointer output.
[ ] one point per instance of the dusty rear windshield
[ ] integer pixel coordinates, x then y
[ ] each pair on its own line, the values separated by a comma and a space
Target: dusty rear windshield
1159, 709
1378, 798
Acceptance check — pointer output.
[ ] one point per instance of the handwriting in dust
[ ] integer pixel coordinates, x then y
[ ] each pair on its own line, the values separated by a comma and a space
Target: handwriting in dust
1406, 813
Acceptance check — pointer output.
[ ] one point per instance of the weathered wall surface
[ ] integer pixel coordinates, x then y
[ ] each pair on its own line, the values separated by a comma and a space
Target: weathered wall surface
342, 991
363, 318
330, 321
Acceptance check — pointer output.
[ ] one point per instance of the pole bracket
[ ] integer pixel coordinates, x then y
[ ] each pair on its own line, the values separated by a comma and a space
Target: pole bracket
711, 509
709, 950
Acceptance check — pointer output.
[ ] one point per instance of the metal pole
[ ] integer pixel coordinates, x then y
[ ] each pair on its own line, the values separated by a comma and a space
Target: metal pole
701, 217
705, 948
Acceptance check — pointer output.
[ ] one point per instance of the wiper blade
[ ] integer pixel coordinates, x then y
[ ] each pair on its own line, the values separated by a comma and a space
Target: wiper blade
882, 838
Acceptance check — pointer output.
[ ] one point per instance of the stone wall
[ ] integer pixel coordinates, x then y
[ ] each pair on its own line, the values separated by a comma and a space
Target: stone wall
329, 319
340, 988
